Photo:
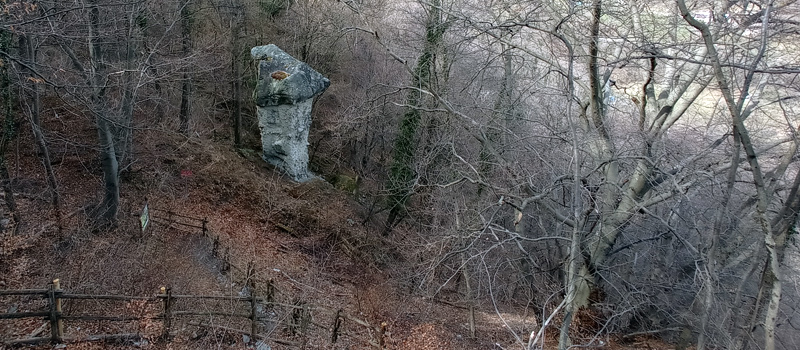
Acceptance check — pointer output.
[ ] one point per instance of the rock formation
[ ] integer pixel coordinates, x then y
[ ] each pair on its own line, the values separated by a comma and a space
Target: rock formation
283, 95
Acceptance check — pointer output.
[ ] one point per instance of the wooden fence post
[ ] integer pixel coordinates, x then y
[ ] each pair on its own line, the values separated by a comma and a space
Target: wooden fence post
470, 300
56, 325
215, 247
382, 337
301, 319
167, 295
60, 322
337, 323
305, 322
270, 297
226, 263
251, 281
253, 313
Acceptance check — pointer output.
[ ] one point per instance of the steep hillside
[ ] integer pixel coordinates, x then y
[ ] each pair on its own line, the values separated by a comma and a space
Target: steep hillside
309, 239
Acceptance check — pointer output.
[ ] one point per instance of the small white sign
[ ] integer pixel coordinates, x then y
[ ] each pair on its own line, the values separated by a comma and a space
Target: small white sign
145, 218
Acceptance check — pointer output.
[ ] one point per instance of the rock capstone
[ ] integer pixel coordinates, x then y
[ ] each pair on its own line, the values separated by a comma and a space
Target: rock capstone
283, 95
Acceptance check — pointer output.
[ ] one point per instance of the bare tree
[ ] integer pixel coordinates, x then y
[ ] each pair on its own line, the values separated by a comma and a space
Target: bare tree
777, 228
187, 17
638, 89
402, 174
28, 55
9, 122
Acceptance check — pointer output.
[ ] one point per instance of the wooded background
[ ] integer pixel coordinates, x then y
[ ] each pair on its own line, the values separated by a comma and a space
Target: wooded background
622, 166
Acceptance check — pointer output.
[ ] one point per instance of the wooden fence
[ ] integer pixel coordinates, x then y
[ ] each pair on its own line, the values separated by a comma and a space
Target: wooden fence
169, 218
259, 313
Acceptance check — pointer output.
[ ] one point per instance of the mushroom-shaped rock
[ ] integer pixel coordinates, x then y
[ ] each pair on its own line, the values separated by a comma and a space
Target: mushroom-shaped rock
282, 79
283, 95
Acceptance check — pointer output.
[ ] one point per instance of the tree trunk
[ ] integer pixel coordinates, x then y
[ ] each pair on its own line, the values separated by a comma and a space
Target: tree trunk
575, 276
612, 215
402, 173
108, 161
236, 67
107, 211
504, 116
124, 131
186, 81
774, 231
9, 127
740, 328
26, 45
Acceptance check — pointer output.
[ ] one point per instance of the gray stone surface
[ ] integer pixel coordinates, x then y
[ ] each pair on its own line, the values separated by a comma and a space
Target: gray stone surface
283, 95
284, 137
300, 83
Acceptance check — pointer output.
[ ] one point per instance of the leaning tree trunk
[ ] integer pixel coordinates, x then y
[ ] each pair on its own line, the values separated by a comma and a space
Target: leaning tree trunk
775, 231
506, 115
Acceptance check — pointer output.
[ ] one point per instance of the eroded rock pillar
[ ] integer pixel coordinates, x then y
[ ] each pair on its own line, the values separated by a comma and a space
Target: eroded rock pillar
283, 95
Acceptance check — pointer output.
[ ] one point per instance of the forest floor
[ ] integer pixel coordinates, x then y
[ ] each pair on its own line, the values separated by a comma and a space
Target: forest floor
310, 241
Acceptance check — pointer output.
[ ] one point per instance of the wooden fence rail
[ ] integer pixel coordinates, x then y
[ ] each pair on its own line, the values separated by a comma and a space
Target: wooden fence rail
23, 292
298, 318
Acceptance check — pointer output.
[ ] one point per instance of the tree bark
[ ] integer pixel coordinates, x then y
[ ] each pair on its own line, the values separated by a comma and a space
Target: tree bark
107, 211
